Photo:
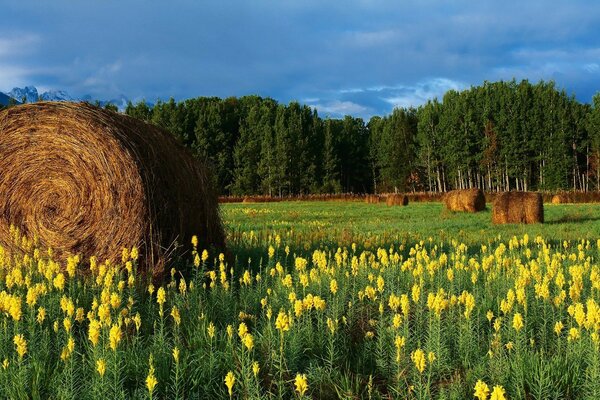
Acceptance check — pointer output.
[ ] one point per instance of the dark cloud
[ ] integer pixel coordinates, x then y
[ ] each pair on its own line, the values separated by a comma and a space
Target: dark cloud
358, 57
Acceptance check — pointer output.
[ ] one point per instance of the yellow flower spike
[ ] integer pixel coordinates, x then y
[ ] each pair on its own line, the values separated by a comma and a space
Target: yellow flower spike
558, 326
282, 323
418, 358
101, 367
431, 357
176, 316
195, 241
114, 337
498, 393
229, 382
333, 286
482, 390
255, 368
301, 384
242, 330
211, 330
41, 315
248, 341
151, 380
20, 345
176, 354
518, 322
573, 334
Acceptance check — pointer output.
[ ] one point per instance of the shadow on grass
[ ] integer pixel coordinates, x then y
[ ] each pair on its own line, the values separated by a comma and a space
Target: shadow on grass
574, 219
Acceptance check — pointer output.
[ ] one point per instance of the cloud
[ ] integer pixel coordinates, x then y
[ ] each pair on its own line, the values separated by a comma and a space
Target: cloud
337, 108
17, 45
355, 56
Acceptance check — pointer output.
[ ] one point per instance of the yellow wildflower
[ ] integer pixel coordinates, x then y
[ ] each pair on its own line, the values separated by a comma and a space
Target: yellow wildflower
101, 367
20, 345
498, 393
482, 390
301, 384
229, 382
418, 358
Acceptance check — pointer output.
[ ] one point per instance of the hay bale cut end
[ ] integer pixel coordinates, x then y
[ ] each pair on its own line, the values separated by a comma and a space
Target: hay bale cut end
396, 200
468, 200
90, 181
518, 208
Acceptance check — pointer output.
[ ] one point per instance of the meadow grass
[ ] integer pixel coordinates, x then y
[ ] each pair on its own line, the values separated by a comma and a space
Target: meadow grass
326, 300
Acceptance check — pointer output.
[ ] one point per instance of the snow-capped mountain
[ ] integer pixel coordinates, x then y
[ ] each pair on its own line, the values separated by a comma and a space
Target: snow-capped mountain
56, 95
30, 94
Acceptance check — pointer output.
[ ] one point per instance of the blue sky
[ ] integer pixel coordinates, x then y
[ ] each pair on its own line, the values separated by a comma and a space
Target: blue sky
353, 57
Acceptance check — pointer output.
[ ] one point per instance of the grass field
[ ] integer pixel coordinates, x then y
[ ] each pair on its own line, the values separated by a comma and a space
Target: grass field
341, 223
326, 300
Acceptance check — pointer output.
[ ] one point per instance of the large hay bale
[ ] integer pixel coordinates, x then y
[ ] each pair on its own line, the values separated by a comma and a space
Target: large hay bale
469, 200
90, 181
396, 200
518, 207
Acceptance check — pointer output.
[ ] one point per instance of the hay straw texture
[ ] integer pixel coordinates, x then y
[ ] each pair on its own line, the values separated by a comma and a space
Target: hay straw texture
518, 207
469, 200
90, 181
396, 200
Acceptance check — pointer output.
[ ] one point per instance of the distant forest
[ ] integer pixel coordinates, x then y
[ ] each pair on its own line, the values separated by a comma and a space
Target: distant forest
497, 136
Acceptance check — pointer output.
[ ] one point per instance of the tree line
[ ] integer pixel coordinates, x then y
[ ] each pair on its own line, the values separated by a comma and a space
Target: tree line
496, 136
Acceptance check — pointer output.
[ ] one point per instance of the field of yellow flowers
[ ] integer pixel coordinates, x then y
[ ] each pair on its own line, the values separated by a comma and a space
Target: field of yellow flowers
303, 315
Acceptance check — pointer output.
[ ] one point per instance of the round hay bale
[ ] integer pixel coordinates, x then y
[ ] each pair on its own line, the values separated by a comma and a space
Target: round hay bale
560, 198
90, 181
468, 200
518, 208
396, 200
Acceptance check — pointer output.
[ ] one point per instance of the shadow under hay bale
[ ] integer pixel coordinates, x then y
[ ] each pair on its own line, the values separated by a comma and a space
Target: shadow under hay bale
396, 200
90, 181
468, 200
518, 207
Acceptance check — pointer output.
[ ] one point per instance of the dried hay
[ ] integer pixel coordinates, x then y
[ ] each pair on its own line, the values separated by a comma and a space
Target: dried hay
396, 200
468, 200
90, 181
372, 199
518, 207
561, 198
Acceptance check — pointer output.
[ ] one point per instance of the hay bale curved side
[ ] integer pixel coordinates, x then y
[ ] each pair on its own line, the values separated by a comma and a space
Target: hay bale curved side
518, 207
90, 181
468, 200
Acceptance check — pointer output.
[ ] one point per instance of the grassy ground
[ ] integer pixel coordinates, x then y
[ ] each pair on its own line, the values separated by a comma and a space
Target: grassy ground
341, 223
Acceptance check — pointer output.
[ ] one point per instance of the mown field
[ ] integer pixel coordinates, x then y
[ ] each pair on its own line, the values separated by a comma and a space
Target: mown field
326, 300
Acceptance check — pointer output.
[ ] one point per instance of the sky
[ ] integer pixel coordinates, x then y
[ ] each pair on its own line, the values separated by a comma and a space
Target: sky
354, 57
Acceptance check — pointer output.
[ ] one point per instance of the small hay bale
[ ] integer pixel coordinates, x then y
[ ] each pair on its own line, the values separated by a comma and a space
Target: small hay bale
396, 200
561, 198
518, 208
468, 200
90, 181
